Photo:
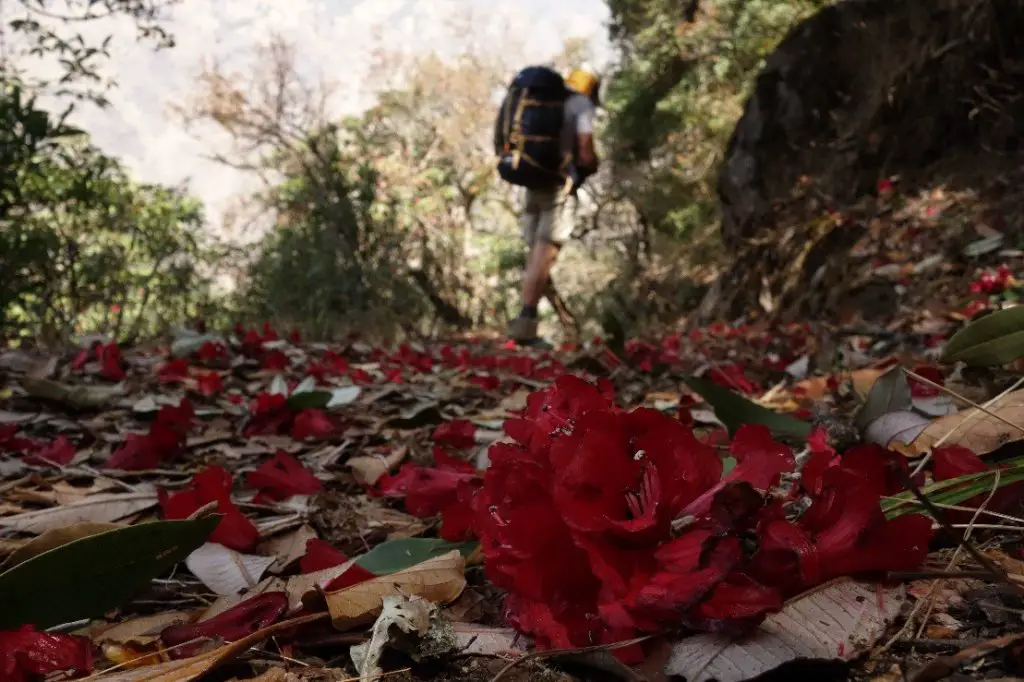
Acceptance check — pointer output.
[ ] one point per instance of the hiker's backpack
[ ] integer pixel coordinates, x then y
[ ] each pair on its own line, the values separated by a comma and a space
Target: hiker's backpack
528, 130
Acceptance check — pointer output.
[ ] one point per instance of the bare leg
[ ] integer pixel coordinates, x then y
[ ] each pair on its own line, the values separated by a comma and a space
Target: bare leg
538, 270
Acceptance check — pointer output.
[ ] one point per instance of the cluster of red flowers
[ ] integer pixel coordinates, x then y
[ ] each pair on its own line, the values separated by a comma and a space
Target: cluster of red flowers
603, 523
992, 282
278, 478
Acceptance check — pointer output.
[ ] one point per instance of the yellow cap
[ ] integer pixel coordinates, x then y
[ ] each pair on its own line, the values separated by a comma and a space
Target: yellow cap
583, 82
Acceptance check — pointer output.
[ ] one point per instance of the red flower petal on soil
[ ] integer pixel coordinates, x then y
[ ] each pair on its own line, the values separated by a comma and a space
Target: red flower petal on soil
353, 575
27, 654
175, 370
270, 413
252, 615
212, 484
61, 452
110, 362
427, 491
274, 360
167, 435
458, 433
281, 477
919, 389
320, 555
732, 377
80, 359
294, 336
211, 351
210, 384
312, 423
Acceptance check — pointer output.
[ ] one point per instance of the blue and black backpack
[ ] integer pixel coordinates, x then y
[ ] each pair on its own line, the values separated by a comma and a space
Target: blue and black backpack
528, 130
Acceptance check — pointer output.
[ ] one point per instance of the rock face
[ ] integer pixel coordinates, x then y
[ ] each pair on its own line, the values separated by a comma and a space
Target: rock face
867, 89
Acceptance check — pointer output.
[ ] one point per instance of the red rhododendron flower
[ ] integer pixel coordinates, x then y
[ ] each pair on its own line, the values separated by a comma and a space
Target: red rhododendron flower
329, 364
111, 362
210, 384
27, 654
919, 389
280, 477
212, 484
210, 351
254, 613
320, 555
175, 370
602, 489
275, 361
61, 451
353, 575
270, 414
313, 424
992, 282
10, 442
732, 377
165, 439
458, 433
436, 490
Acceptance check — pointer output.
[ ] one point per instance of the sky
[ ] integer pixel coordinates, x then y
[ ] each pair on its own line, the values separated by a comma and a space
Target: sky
334, 38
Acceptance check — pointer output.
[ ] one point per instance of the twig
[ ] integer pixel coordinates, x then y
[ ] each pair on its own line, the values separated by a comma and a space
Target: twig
944, 666
535, 655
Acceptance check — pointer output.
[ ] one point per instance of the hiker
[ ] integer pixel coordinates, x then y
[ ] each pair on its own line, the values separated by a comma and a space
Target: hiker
544, 137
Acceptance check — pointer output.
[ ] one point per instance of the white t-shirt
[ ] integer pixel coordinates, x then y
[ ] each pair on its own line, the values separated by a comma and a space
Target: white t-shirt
578, 120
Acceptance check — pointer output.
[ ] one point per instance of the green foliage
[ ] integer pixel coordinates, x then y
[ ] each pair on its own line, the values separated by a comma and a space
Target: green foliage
334, 254
83, 248
678, 92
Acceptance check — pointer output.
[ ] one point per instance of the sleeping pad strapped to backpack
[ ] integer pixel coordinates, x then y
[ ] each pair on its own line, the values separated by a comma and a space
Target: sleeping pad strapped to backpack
528, 132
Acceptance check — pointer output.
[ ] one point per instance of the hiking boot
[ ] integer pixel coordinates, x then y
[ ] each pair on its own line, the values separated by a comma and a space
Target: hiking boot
523, 330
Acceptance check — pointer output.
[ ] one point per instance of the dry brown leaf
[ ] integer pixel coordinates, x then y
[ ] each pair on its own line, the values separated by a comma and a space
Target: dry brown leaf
299, 587
838, 620
189, 669
105, 508
439, 580
977, 431
52, 539
816, 388
368, 469
288, 547
143, 630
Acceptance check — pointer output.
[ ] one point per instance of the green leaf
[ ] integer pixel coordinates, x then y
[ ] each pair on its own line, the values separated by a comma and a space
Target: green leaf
955, 491
996, 339
309, 400
397, 555
734, 410
88, 577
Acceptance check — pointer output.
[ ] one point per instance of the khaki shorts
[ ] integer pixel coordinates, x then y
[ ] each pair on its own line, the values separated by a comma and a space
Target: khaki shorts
548, 215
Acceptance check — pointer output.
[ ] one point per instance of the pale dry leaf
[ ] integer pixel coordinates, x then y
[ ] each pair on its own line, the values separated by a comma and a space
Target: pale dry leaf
896, 427
52, 539
408, 614
299, 587
486, 640
105, 508
439, 580
368, 469
141, 631
189, 669
838, 620
226, 571
978, 431
287, 548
